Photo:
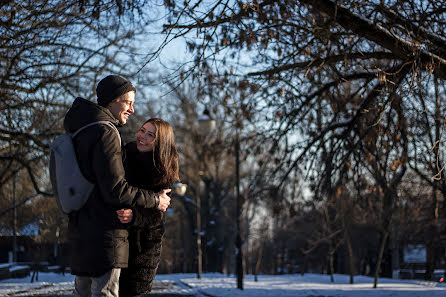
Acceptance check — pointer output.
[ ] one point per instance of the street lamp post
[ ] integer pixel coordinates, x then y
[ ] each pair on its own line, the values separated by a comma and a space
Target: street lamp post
239, 205
180, 190
199, 250
205, 126
14, 221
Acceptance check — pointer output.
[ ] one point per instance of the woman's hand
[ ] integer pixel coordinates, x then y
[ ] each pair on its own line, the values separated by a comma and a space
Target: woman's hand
125, 215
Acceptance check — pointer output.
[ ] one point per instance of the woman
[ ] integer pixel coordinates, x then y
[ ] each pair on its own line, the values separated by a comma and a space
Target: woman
151, 163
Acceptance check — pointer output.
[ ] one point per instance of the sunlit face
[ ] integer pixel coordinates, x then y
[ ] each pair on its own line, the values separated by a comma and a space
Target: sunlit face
145, 137
122, 107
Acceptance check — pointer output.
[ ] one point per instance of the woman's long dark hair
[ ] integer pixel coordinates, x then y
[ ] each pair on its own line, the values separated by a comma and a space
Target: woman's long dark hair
165, 155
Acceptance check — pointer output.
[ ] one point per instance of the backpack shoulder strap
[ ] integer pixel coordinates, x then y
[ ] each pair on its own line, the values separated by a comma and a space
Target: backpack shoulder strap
110, 124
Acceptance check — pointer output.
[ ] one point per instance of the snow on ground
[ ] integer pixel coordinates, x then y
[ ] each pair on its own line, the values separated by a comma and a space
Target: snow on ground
219, 285
308, 285
47, 283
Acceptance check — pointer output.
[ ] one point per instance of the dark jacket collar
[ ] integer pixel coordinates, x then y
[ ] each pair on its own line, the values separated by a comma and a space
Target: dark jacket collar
83, 112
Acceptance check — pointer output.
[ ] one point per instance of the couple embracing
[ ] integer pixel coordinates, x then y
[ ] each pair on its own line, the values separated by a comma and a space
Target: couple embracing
115, 238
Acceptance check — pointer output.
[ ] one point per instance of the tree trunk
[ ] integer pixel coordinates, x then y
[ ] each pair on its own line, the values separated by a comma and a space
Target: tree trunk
432, 235
380, 257
331, 260
351, 256
259, 261
430, 253
227, 263
304, 266
429, 262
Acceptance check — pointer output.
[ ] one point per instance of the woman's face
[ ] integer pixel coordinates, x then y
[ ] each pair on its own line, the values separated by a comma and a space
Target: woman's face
145, 137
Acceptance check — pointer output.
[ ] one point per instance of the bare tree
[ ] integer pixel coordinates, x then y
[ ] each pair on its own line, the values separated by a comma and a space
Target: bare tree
51, 52
325, 70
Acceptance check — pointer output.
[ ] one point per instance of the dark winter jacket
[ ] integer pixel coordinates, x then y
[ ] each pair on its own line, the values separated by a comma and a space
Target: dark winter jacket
147, 230
98, 240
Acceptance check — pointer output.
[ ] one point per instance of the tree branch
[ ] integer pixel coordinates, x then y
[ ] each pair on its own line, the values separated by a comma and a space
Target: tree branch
362, 27
328, 60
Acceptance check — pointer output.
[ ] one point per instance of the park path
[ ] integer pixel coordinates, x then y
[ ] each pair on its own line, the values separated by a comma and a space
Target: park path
161, 288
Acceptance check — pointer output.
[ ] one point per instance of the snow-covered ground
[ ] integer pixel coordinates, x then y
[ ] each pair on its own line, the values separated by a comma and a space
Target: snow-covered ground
46, 284
308, 285
222, 286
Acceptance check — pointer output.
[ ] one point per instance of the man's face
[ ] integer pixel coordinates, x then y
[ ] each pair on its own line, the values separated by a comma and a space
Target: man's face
122, 107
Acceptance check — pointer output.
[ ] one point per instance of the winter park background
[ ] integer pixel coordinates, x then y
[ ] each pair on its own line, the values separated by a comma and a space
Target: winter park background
218, 285
326, 158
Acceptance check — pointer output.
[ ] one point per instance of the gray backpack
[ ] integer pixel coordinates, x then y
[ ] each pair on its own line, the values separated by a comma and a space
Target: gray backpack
70, 187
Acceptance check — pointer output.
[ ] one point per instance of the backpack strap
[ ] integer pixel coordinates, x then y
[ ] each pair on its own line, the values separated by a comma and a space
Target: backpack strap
98, 123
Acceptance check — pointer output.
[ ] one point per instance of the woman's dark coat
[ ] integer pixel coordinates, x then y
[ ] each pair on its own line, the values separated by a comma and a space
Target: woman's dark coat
147, 230
98, 241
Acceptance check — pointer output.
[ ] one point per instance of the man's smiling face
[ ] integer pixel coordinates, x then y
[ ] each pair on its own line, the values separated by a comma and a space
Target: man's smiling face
122, 107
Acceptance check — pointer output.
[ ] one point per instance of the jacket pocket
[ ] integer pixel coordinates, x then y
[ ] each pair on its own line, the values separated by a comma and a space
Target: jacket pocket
121, 251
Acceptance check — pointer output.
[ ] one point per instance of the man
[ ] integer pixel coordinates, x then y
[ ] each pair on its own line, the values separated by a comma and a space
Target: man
99, 246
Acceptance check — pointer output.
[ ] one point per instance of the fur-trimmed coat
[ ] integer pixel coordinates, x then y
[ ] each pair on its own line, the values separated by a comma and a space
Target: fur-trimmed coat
147, 230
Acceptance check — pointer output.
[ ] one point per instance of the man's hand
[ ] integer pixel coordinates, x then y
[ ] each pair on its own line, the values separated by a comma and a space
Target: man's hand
164, 200
125, 215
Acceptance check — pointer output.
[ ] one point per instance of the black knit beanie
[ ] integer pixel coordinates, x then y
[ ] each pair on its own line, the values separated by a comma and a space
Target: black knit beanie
111, 87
